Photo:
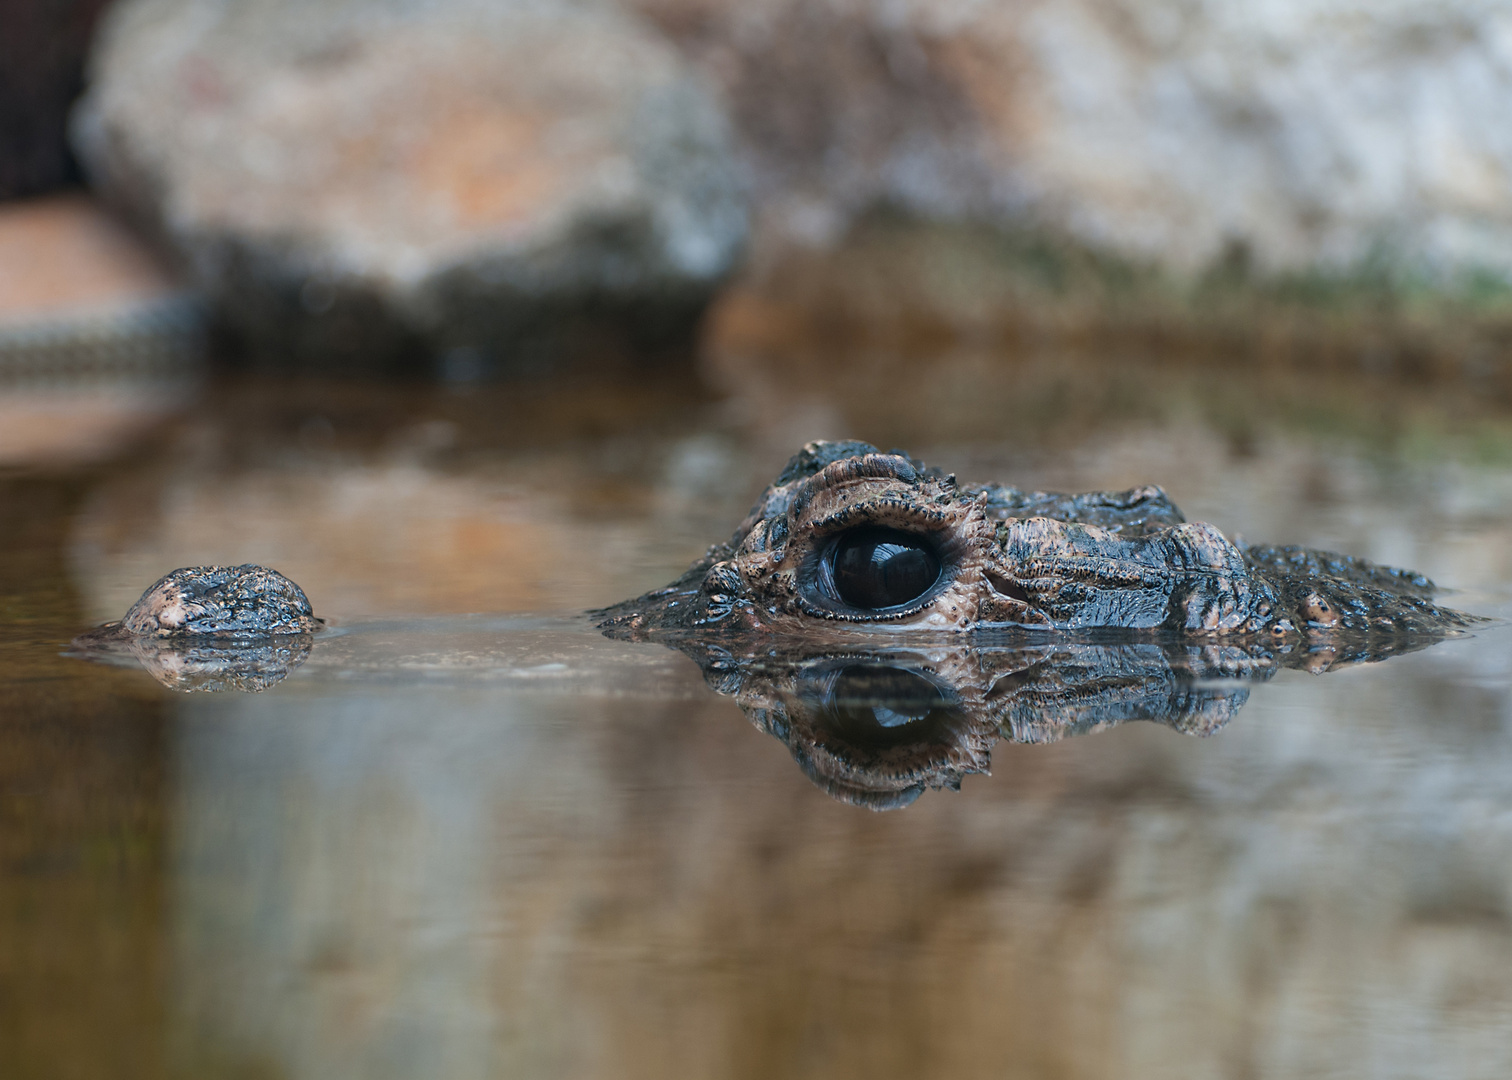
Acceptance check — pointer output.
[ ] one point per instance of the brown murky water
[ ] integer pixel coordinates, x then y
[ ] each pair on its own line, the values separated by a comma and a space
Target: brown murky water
458, 845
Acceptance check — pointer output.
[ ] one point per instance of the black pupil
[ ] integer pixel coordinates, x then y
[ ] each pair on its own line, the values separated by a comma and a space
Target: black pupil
882, 568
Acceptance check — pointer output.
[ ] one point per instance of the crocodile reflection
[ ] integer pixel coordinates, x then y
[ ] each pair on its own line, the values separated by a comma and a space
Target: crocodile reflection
878, 725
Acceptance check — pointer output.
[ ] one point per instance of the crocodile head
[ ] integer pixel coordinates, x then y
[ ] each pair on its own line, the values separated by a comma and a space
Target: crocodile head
848, 538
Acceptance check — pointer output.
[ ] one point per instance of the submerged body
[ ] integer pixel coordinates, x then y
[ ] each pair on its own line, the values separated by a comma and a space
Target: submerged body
849, 537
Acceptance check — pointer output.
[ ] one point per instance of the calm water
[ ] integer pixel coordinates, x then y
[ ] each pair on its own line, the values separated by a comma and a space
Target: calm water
462, 841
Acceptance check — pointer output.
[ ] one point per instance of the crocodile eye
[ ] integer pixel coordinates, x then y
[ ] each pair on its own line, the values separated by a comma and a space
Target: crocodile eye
883, 568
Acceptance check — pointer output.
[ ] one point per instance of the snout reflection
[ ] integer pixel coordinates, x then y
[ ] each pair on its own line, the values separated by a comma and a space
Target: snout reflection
201, 665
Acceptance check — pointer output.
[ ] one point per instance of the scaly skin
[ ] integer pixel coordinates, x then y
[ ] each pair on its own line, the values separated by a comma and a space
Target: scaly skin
1023, 561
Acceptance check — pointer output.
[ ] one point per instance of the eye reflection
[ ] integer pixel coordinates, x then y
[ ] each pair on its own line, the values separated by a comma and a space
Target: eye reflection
875, 705
883, 568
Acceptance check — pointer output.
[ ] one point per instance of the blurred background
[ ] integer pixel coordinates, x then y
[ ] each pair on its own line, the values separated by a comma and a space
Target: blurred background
416, 296
454, 306
315, 269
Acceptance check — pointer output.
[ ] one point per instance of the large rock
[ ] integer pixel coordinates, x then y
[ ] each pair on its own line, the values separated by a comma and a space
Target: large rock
470, 179
1299, 135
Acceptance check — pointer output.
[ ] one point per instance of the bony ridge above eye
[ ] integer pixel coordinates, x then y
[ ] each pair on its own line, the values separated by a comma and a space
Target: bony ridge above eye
875, 568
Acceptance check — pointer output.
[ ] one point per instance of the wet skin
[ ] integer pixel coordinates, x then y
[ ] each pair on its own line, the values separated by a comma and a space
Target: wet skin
851, 539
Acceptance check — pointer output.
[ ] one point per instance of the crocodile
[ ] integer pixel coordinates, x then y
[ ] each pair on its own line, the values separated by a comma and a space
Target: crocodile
851, 539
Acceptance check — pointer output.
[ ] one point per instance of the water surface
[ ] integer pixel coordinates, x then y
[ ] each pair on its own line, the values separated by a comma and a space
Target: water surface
468, 836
